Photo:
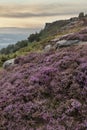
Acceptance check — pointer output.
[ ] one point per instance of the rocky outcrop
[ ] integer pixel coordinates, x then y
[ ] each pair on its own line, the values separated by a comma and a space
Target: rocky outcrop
67, 40
47, 25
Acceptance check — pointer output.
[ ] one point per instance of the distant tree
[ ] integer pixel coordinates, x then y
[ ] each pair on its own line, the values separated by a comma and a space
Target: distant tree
34, 37
83, 18
81, 15
86, 15
14, 47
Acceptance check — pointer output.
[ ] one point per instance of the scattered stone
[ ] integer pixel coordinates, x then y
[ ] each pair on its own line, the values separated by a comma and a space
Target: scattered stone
47, 48
8, 63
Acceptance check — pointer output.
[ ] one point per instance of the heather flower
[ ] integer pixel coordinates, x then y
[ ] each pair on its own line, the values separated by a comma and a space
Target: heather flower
45, 91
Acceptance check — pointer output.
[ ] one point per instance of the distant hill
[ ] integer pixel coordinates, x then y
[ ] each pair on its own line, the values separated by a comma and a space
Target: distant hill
12, 35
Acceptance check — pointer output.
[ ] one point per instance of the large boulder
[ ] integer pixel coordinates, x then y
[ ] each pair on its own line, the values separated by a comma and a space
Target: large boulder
8, 63
65, 43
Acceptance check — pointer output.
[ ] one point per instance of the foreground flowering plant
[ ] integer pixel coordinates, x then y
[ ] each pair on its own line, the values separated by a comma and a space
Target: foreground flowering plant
46, 91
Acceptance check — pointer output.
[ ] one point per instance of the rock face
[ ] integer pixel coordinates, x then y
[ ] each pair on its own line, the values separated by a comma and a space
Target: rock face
8, 63
47, 25
68, 40
46, 91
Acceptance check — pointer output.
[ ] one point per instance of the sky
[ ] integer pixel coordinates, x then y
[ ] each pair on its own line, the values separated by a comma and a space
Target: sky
35, 13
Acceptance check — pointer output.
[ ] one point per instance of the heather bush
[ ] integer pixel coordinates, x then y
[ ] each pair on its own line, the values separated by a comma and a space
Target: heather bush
45, 91
81, 35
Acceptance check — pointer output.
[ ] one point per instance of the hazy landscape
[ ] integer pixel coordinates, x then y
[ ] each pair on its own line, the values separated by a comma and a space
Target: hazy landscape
13, 35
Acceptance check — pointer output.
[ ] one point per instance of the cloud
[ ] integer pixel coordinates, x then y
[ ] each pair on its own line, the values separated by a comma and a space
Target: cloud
40, 10
28, 15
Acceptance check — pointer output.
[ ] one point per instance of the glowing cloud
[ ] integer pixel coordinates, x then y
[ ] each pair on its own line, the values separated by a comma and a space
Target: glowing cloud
32, 13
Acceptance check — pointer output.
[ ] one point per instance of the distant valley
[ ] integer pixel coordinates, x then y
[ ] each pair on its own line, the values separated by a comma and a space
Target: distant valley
13, 35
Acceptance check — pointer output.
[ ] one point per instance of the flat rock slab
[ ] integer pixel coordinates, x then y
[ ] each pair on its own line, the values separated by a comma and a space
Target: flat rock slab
65, 43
